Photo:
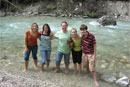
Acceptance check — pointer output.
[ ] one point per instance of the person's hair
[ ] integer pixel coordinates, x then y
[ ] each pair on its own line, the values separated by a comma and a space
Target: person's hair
74, 29
36, 25
83, 27
65, 23
49, 30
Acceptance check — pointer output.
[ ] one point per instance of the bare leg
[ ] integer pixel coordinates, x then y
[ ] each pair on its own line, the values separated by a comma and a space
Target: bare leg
57, 68
95, 80
48, 63
80, 68
42, 68
66, 68
26, 66
35, 63
75, 68
87, 69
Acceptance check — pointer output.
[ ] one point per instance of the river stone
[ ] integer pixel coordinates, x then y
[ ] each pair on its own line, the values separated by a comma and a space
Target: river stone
4, 57
106, 20
124, 81
108, 78
1, 79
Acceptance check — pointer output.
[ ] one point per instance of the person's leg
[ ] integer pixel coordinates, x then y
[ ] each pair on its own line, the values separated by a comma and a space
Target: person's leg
26, 59
34, 55
85, 64
59, 56
80, 68
67, 59
26, 66
43, 55
79, 60
75, 69
95, 78
74, 62
48, 58
92, 64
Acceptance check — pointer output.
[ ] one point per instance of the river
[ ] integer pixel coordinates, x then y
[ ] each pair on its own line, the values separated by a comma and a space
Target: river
113, 42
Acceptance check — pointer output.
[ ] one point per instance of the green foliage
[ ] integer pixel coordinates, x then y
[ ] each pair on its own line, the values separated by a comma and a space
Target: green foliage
13, 9
91, 15
49, 9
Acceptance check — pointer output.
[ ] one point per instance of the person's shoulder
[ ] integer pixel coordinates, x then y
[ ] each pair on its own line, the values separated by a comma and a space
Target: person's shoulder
91, 34
28, 31
51, 34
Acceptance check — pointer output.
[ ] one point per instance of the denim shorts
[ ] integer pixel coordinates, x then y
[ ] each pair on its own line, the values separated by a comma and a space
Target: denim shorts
34, 53
45, 55
59, 56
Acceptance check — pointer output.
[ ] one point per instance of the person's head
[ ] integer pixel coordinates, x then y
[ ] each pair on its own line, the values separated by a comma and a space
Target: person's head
73, 32
46, 27
83, 29
34, 27
64, 25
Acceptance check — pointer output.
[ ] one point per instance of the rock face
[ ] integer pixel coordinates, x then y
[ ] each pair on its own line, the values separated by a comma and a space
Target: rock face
106, 20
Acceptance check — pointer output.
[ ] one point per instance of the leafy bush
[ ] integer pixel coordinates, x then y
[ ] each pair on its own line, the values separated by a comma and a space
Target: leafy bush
91, 15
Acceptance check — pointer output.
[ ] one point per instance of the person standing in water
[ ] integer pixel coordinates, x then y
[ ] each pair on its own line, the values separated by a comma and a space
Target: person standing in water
76, 50
45, 46
89, 52
30, 41
63, 47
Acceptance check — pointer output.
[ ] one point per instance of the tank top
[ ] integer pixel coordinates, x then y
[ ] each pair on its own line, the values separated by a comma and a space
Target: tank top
45, 43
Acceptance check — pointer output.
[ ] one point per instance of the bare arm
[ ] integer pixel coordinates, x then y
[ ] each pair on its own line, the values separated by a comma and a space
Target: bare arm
25, 43
95, 51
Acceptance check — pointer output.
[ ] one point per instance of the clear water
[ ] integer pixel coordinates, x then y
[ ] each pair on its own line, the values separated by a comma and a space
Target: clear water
113, 42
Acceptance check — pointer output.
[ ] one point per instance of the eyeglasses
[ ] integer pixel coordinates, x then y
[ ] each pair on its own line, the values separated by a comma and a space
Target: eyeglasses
82, 28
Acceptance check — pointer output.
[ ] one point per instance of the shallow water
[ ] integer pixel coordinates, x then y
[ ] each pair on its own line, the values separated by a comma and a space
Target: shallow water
113, 48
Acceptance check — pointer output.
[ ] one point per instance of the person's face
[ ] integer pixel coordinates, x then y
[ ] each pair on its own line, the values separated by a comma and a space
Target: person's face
73, 33
83, 31
64, 27
45, 28
34, 28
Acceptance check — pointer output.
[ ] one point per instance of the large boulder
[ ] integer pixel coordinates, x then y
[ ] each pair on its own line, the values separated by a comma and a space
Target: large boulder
2, 14
106, 20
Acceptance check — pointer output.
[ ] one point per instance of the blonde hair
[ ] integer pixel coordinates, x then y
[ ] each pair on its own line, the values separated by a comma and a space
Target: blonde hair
36, 25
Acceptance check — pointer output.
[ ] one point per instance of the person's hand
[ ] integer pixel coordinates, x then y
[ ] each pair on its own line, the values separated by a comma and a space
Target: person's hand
68, 41
26, 50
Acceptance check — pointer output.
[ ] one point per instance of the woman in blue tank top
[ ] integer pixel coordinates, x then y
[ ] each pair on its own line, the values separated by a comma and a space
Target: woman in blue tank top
45, 46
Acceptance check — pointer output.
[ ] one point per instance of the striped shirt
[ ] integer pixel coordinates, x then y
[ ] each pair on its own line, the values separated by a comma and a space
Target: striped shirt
88, 43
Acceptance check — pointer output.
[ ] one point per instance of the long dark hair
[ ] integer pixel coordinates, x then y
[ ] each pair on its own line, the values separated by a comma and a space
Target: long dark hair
49, 30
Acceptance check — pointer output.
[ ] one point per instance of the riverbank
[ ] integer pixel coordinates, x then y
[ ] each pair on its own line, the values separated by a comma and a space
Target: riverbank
11, 75
70, 8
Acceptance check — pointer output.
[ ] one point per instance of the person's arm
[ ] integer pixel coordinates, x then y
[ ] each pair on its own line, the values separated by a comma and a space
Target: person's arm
95, 51
52, 36
25, 43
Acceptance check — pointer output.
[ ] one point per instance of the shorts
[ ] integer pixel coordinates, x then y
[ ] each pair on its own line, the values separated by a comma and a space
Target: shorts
77, 56
59, 56
88, 61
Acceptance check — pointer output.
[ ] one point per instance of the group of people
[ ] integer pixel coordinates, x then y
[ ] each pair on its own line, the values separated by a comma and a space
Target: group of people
83, 48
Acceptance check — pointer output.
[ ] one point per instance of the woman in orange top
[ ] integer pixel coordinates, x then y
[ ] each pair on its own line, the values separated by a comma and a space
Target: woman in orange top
30, 42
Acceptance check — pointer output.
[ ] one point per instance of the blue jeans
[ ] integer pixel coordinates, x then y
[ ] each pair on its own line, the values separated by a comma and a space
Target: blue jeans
59, 56
45, 54
34, 53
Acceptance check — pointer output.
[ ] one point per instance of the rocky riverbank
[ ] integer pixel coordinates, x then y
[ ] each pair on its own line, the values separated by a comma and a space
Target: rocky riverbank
11, 75
72, 8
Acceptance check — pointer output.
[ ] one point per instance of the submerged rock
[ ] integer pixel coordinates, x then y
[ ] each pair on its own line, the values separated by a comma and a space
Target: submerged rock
124, 81
107, 20
108, 78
